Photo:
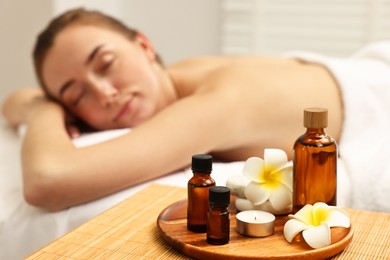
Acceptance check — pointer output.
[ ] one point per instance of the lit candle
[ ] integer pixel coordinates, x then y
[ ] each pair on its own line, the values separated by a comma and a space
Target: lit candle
255, 223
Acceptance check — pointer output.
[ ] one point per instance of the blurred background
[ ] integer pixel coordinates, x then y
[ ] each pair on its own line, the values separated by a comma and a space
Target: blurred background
181, 29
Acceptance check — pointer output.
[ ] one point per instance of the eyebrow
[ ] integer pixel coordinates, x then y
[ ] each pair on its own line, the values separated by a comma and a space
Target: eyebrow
89, 59
65, 87
93, 54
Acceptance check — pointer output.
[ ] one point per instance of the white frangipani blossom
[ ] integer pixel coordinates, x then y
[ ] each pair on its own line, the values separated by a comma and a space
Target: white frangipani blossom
271, 179
315, 221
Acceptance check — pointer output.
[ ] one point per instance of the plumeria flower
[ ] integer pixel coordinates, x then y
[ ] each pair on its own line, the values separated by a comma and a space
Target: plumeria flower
315, 221
271, 179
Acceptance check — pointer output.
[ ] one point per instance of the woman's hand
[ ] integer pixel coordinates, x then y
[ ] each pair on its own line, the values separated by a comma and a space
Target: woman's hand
20, 104
17, 105
72, 126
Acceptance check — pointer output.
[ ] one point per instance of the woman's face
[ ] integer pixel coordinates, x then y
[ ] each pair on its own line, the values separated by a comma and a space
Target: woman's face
103, 77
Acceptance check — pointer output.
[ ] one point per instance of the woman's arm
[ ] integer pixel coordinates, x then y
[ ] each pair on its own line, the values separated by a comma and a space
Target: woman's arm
57, 175
17, 104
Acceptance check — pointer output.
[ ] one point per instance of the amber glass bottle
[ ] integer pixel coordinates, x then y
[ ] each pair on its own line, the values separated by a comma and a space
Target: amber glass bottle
218, 216
314, 162
198, 193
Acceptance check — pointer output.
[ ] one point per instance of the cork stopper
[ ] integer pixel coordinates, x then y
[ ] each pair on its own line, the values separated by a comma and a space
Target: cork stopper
315, 117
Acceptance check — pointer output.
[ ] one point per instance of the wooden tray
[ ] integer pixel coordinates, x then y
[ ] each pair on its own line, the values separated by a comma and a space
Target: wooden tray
172, 223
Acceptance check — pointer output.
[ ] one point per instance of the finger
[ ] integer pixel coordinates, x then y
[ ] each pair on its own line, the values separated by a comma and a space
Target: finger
73, 131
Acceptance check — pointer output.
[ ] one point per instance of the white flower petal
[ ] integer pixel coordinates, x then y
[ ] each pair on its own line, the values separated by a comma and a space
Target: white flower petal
318, 236
253, 169
257, 193
244, 204
305, 214
320, 205
281, 198
292, 228
286, 176
338, 218
274, 158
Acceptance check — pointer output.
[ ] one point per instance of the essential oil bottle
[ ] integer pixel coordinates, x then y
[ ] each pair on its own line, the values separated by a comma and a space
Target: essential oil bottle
314, 162
198, 193
218, 216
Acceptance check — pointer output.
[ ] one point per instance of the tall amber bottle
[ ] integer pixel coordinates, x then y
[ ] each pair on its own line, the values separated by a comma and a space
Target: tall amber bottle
314, 162
198, 193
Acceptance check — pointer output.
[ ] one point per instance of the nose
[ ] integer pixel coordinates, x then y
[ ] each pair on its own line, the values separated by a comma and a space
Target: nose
105, 92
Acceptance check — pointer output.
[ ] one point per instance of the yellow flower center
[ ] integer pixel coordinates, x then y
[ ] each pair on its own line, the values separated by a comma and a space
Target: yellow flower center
319, 216
272, 181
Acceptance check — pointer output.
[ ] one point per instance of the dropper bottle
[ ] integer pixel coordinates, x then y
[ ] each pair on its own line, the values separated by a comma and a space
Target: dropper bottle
198, 193
218, 216
314, 162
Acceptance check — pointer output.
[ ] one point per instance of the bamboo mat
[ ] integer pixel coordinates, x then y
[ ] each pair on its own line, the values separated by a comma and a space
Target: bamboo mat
129, 231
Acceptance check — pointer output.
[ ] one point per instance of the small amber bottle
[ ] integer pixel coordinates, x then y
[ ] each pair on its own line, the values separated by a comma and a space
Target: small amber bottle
198, 193
314, 162
218, 216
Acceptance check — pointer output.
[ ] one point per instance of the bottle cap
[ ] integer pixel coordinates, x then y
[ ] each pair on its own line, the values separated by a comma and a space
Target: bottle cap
219, 196
202, 163
315, 117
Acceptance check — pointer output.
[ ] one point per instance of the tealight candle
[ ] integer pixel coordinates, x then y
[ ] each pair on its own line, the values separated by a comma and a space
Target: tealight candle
255, 223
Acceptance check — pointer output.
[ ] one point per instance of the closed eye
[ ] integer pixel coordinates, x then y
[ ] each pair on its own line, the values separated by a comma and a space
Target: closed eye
73, 95
78, 98
106, 61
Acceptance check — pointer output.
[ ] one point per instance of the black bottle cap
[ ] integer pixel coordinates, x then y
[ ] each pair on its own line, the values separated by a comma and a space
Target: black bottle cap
219, 196
202, 163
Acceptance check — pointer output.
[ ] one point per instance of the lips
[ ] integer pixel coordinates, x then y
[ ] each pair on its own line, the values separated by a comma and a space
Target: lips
126, 108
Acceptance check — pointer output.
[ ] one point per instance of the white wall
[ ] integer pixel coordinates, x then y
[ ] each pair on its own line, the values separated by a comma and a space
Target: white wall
331, 27
20, 21
178, 29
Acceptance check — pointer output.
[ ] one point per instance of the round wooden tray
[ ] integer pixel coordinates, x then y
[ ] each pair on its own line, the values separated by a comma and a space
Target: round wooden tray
172, 223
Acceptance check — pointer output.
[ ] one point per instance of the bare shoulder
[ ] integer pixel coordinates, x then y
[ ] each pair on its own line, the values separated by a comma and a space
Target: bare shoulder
199, 61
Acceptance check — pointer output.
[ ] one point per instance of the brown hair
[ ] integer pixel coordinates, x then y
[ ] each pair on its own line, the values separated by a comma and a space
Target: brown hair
47, 37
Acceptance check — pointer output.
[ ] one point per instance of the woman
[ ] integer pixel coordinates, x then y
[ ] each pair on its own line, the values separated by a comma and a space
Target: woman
93, 68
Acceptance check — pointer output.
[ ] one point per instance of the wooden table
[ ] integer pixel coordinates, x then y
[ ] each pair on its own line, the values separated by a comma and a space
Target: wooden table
129, 231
